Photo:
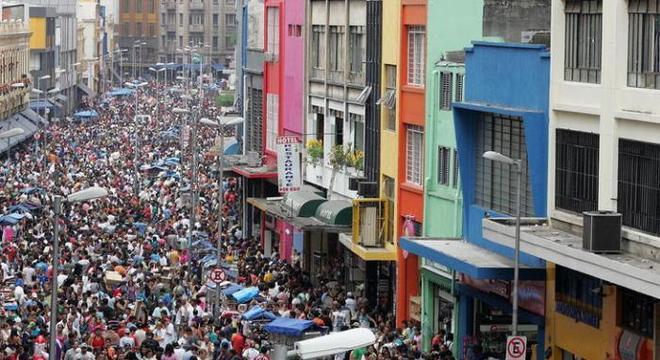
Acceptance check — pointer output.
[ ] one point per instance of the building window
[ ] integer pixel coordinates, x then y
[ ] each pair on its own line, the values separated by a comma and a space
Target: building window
584, 28
444, 154
215, 43
138, 29
152, 30
318, 46
416, 55
357, 48
578, 296
215, 19
644, 44
273, 31
253, 121
455, 176
180, 19
338, 127
576, 171
336, 38
357, 124
138, 6
389, 99
272, 121
180, 41
389, 193
414, 154
459, 87
639, 188
152, 6
496, 182
127, 6
446, 80
637, 312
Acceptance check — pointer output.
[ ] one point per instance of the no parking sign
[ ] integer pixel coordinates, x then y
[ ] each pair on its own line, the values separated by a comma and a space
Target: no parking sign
516, 347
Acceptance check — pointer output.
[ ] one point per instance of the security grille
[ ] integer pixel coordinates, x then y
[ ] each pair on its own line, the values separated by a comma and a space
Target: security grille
446, 80
416, 55
253, 124
443, 165
414, 154
576, 171
455, 175
639, 188
496, 182
459, 87
644, 43
583, 43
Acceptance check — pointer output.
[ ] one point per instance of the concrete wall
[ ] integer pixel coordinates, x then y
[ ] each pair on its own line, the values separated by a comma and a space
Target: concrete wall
508, 19
611, 109
293, 68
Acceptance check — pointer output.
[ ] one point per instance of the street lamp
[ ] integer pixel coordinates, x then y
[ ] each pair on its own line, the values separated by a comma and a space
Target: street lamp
220, 125
8, 135
503, 159
91, 193
136, 181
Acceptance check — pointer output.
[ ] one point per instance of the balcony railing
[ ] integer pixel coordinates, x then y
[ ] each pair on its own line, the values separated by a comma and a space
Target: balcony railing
370, 222
13, 100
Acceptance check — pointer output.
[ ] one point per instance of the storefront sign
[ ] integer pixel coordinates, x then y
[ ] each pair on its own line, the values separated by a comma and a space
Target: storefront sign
531, 294
629, 345
288, 164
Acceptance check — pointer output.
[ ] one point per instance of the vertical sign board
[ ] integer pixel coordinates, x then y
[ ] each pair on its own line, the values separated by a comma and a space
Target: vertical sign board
516, 347
288, 164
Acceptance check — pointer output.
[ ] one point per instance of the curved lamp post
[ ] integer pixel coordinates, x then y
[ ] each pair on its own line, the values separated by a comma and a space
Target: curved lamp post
90, 193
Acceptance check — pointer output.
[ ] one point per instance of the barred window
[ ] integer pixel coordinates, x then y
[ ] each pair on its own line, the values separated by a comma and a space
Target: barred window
357, 40
318, 46
416, 55
584, 28
446, 80
496, 182
639, 188
272, 120
455, 178
414, 154
459, 87
644, 43
336, 47
444, 155
273, 31
576, 170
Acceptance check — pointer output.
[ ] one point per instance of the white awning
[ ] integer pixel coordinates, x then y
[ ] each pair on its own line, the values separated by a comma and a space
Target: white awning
565, 249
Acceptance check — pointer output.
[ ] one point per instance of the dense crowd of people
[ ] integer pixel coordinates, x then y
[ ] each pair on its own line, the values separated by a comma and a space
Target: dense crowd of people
130, 285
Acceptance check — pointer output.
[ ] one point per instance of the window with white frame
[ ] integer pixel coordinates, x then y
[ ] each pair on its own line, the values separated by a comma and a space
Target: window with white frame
273, 31
444, 158
357, 48
584, 40
357, 125
416, 55
446, 83
644, 44
414, 154
318, 47
336, 47
272, 120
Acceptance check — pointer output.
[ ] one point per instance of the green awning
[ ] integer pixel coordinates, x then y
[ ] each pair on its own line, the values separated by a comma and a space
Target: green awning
303, 203
336, 212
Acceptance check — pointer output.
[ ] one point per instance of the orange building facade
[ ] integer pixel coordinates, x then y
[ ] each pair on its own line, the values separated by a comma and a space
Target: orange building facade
411, 149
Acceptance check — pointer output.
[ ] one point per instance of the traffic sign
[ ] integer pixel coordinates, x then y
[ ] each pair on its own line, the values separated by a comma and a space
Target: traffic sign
217, 275
516, 347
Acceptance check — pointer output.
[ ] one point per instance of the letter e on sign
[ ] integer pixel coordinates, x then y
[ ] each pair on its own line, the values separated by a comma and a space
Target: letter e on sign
516, 347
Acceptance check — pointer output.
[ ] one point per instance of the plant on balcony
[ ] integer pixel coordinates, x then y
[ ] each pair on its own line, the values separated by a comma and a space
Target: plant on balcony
338, 157
314, 149
355, 159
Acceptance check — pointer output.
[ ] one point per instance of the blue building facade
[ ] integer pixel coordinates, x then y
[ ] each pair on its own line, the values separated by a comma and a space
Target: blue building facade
504, 109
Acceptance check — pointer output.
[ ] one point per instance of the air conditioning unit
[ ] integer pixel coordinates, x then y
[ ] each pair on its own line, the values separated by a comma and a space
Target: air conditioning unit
369, 226
253, 159
368, 189
602, 232
353, 182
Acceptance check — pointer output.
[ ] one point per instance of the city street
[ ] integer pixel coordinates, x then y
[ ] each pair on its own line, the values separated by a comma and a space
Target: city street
129, 283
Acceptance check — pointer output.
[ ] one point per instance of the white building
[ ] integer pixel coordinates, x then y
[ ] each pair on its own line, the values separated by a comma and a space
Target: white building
335, 88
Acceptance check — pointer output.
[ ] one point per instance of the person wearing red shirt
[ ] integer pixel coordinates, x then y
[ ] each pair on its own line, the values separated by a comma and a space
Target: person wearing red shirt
96, 341
238, 341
